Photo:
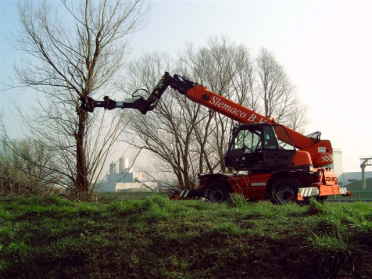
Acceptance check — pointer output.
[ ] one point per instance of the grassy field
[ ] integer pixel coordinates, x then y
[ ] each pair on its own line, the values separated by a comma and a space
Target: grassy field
357, 195
158, 238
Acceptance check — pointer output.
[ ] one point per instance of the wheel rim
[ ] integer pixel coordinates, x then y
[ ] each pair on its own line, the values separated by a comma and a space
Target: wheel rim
285, 194
216, 195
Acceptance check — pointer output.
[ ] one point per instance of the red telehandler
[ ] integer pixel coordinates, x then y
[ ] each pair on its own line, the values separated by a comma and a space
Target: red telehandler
267, 160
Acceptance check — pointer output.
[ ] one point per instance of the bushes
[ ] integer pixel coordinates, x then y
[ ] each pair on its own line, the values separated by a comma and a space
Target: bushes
24, 169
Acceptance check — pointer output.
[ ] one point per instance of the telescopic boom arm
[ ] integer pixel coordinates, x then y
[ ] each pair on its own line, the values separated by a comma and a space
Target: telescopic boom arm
181, 84
198, 94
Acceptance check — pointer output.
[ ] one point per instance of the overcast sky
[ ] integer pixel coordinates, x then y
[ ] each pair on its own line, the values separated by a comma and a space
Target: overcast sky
325, 47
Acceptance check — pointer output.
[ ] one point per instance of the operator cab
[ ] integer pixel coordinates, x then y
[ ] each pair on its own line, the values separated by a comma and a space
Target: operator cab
259, 146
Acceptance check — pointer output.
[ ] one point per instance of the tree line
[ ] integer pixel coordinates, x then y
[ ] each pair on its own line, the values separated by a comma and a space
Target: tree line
85, 53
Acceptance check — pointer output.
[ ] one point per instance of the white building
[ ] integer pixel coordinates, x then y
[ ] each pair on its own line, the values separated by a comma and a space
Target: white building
122, 178
346, 178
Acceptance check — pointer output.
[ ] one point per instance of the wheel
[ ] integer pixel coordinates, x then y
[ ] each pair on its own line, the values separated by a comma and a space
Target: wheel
216, 192
284, 191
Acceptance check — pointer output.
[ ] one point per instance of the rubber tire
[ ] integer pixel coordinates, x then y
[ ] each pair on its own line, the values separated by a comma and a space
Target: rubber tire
284, 191
217, 192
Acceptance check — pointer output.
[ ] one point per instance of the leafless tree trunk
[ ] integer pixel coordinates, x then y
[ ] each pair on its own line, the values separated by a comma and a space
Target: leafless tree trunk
75, 49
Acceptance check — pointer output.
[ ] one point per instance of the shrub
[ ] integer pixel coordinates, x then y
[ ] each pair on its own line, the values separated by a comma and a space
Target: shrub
237, 200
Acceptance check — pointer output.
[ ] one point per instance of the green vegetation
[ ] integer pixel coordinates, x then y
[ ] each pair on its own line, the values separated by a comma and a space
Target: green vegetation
158, 238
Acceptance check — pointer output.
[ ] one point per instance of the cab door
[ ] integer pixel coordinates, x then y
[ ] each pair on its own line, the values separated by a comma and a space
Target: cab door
256, 147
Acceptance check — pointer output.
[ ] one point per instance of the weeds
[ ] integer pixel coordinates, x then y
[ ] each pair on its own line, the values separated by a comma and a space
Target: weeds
317, 208
327, 226
364, 237
335, 253
237, 201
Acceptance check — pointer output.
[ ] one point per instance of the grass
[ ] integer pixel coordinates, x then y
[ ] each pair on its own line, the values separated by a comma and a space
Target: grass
158, 238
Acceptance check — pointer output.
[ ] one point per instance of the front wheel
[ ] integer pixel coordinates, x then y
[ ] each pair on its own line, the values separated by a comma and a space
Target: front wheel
216, 192
284, 191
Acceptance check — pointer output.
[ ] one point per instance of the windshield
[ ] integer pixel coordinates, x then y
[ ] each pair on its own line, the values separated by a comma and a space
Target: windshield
284, 140
248, 140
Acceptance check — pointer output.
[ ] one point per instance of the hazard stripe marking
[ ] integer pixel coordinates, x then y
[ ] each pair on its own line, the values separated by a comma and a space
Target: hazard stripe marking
184, 193
309, 191
327, 158
343, 190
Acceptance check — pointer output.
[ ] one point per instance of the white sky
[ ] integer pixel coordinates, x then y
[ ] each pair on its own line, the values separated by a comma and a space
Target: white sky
325, 47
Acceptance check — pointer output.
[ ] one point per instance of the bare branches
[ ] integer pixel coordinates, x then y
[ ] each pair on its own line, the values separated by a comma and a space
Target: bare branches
81, 50
189, 138
26, 166
277, 94
186, 136
75, 49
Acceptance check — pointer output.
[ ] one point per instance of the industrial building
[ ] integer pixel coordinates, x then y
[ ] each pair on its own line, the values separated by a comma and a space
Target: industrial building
346, 178
122, 178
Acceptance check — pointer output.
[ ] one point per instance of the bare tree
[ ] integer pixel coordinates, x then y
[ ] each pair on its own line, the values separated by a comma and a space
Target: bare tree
227, 69
168, 131
74, 50
188, 137
277, 94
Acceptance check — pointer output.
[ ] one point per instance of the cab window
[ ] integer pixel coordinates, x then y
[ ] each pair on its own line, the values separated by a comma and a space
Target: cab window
270, 140
248, 140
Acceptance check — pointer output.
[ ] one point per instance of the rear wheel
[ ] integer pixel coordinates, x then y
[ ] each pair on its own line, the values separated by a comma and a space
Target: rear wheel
284, 191
217, 192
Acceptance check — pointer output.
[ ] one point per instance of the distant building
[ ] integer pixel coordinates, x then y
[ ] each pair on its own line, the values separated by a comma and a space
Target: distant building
350, 177
122, 178
345, 178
